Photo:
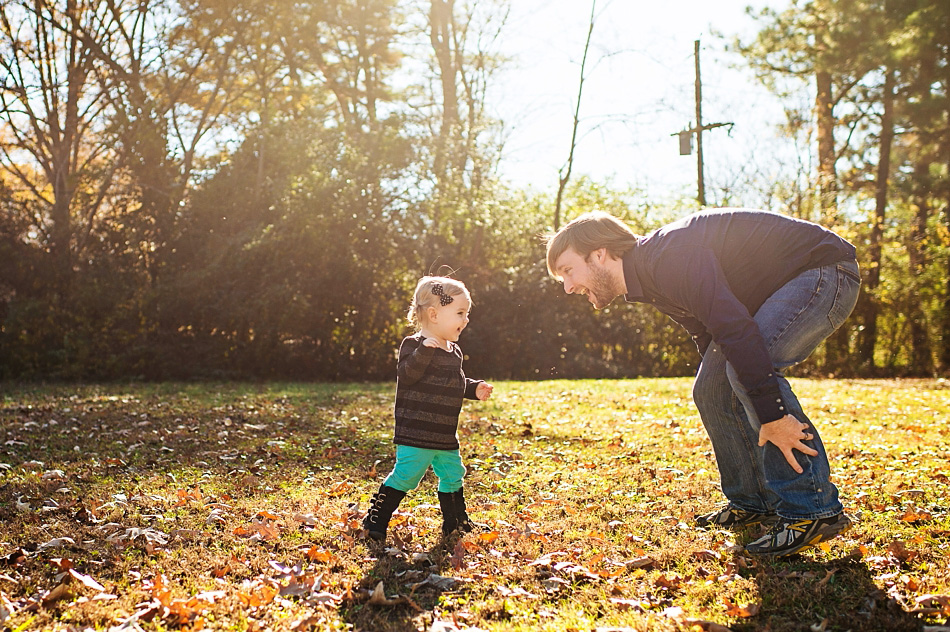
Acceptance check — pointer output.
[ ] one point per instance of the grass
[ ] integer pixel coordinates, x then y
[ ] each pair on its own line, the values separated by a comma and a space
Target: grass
237, 507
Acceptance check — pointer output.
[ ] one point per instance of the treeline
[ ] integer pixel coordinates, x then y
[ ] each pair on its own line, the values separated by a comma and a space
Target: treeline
250, 189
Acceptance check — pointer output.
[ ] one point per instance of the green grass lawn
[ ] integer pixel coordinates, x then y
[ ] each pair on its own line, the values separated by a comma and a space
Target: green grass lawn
237, 507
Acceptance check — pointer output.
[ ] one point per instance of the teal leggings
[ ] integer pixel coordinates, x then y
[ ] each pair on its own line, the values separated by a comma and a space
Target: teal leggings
413, 463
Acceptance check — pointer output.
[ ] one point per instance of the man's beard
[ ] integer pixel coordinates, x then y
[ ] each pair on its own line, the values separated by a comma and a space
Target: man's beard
601, 287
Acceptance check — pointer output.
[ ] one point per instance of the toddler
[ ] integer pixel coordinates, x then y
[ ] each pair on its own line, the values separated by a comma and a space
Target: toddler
430, 387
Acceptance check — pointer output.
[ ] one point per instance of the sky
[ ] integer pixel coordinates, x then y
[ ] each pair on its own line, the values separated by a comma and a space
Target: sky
639, 90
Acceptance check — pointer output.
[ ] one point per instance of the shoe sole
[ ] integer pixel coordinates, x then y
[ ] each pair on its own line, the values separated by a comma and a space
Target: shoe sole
764, 520
828, 533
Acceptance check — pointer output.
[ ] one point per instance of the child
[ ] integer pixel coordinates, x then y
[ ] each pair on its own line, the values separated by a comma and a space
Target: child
430, 387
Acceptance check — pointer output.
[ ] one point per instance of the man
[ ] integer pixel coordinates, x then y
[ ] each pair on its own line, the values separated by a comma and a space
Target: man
757, 291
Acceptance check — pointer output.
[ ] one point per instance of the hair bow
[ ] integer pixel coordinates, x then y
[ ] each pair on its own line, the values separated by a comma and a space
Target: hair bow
439, 291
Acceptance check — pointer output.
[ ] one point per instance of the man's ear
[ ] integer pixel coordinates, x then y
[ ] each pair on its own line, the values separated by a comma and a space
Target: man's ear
600, 255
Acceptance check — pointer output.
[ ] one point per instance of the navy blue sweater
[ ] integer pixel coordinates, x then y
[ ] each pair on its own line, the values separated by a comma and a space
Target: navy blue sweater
711, 271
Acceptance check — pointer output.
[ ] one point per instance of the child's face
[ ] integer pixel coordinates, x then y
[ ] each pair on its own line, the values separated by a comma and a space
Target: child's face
448, 321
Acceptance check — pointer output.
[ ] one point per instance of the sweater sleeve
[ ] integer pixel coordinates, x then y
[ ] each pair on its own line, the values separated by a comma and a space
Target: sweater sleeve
470, 388
697, 282
414, 358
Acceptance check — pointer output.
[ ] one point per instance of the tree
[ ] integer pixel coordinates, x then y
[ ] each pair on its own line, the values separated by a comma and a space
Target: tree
51, 137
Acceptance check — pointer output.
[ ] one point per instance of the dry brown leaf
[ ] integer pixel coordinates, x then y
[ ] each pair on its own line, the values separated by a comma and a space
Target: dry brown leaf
61, 591
828, 575
627, 604
671, 582
258, 595
378, 598
706, 626
899, 551
735, 610
319, 555
86, 580
916, 515
640, 562
338, 489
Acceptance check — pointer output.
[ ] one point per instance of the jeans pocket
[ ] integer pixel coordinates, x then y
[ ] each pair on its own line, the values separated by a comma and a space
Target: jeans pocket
849, 284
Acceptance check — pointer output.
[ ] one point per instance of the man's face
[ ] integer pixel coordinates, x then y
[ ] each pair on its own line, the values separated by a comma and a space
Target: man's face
587, 276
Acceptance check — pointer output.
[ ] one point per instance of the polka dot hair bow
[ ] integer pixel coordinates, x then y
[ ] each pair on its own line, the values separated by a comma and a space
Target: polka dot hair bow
439, 291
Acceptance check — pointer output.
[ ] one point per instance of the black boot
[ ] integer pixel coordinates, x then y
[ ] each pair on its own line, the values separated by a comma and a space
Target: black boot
454, 513
381, 509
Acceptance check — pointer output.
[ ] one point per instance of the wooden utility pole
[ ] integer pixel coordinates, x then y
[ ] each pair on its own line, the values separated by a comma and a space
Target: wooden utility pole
700, 180
686, 135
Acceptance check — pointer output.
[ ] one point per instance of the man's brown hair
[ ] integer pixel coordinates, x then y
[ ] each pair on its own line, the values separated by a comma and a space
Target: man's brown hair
587, 233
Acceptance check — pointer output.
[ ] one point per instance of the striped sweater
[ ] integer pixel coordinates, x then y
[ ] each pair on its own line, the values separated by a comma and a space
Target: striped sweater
430, 387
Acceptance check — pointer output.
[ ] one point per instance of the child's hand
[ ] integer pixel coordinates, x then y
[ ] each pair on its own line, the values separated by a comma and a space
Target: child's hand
430, 342
483, 391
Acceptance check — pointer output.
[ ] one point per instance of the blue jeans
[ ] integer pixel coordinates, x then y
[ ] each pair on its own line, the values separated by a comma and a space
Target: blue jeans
413, 463
793, 321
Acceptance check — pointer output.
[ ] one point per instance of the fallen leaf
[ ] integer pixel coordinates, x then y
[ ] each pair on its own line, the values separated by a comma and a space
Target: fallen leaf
257, 595
86, 580
735, 610
916, 515
56, 543
378, 598
319, 555
338, 489
61, 591
828, 575
706, 626
305, 519
517, 591
554, 584
438, 582
899, 551
640, 562
7, 609
103, 596
626, 604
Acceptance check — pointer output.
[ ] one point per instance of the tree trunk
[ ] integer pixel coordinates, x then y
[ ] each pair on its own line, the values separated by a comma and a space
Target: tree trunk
921, 351
945, 324
837, 347
870, 306
441, 14
564, 176
827, 175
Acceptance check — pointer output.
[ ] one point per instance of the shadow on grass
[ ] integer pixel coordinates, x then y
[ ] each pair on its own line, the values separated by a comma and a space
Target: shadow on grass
815, 594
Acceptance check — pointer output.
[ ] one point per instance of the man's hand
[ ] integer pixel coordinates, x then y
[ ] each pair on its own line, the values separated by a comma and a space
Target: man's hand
430, 342
787, 434
483, 391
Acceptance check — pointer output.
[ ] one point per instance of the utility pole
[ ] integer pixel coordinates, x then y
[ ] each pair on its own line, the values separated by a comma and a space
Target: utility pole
700, 180
686, 135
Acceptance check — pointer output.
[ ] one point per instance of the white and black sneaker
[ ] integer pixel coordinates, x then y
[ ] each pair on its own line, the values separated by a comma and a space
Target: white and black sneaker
730, 517
788, 537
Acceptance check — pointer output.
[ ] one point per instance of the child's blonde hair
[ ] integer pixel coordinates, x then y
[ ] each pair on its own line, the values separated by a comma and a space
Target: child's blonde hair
434, 291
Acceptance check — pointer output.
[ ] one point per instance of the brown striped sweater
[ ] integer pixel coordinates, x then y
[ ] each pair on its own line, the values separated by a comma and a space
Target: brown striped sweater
430, 388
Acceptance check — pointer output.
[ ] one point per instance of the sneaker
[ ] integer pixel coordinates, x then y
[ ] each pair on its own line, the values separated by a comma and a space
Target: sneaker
730, 517
787, 537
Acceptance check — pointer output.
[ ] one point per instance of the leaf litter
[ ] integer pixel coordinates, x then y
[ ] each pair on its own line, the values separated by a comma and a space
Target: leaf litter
186, 507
